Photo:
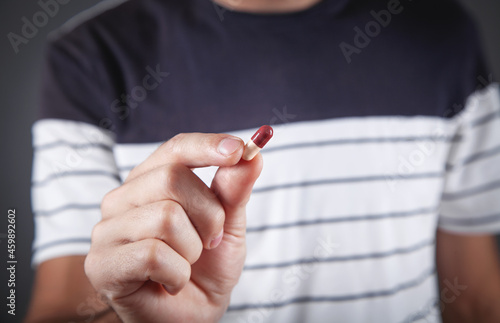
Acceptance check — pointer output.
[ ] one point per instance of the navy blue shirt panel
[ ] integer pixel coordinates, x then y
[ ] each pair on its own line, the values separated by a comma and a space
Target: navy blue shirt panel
149, 69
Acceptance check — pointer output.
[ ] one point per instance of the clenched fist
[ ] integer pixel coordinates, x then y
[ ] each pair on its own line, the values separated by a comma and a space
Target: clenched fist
169, 248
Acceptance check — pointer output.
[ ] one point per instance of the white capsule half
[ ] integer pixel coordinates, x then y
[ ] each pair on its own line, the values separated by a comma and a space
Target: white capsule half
251, 150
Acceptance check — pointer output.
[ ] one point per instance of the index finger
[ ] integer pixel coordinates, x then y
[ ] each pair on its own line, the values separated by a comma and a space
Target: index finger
193, 150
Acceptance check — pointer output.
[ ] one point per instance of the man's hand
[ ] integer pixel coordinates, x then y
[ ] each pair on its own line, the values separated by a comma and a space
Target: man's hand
169, 248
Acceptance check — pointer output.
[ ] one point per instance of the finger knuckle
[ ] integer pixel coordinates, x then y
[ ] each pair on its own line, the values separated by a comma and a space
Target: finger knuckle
196, 249
167, 217
134, 172
99, 275
98, 231
183, 275
217, 220
175, 143
90, 266
108, 202
177, 138
151, 255
170, 177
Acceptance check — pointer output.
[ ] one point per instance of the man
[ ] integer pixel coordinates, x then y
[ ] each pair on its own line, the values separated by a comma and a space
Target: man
385, 154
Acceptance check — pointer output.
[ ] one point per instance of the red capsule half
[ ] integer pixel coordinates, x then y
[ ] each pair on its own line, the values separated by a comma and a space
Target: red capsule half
262, 136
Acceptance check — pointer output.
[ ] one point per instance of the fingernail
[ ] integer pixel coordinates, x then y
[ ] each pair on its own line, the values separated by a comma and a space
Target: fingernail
228, 146
215, 242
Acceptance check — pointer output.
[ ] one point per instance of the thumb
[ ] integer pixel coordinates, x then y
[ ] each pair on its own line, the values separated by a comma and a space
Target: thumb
233, 185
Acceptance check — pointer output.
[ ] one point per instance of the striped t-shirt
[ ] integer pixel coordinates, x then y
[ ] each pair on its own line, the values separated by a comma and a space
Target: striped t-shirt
387, 126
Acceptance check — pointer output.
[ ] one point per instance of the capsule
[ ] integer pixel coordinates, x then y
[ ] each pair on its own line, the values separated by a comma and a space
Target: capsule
257, 142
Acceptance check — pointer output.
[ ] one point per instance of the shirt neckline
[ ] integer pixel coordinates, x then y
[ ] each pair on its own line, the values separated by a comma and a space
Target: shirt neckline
323, 7
317, 7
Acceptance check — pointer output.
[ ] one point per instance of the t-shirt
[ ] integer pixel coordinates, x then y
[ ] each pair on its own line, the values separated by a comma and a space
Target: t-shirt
387, 126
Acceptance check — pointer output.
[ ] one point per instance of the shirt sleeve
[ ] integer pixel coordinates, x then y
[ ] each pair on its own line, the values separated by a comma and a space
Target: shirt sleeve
73, 163
471, 199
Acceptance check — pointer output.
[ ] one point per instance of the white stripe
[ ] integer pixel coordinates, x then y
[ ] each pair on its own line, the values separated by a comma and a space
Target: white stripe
473, 174
470, 195
481, 137
323, 278
65, 225
131, 155
62, 191
391, 160
58, 161
480, 104
342, 155
385, 235
395, 308
472, 207
477, 139
60, 202
395, 160
47, 131
285, 206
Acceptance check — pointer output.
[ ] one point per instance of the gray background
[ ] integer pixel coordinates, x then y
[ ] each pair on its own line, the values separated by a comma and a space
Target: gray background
18, 101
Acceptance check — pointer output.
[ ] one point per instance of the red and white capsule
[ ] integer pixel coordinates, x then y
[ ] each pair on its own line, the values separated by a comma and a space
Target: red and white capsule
257, 142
